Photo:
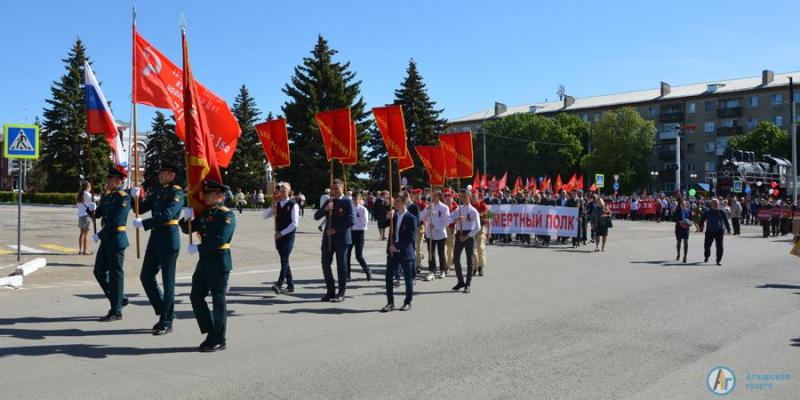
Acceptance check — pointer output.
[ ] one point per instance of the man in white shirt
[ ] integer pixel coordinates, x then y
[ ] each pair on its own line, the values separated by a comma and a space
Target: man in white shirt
436, 217
359, 229
468, 224
634, 207
287, 216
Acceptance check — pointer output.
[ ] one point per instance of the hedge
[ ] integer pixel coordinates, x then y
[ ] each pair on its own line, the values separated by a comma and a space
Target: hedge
39, 198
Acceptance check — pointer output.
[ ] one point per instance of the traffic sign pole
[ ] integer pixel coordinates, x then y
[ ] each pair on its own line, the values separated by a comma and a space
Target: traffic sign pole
20, 142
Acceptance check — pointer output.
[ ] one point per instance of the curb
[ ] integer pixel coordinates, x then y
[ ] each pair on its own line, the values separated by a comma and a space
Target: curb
30, 267
40, 205
14, 281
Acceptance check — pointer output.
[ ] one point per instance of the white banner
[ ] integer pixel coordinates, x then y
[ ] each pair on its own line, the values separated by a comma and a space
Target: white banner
534, 220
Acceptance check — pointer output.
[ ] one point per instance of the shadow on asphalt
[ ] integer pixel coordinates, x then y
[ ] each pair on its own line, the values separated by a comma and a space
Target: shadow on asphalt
327, 311
668, 263
776, 286
90, 351
35, 334
37, 320
796, 342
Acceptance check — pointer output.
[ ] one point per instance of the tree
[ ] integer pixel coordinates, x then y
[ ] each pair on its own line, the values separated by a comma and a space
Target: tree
246, 170
621, 143
65, 155
36, 176
530, 145
423, 127
163, 144
320, 84
766, 138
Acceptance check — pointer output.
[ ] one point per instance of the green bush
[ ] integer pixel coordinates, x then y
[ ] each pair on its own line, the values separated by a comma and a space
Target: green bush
39, 198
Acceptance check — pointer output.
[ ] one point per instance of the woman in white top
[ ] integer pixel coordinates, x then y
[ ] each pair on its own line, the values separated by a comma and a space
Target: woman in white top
86, 207
357, 234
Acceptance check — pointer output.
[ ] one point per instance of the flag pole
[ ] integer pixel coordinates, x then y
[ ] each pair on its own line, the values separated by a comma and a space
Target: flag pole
430, 223
391, 202
135, 137
185, 122
330, 212
274, 203
344, 173
89, 146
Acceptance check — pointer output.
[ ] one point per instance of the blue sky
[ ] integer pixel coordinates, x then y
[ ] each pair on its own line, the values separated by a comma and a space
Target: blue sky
471, 53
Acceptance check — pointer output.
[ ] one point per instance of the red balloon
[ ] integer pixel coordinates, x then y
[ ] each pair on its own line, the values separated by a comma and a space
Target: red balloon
774, 184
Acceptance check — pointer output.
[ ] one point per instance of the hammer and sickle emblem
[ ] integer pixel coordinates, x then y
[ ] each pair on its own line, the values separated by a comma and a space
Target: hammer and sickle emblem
149, 53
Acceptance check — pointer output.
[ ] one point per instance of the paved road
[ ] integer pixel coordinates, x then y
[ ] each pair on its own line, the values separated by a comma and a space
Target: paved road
543, 323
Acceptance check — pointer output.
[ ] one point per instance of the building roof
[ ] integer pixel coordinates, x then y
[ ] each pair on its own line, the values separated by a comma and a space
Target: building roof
677, 92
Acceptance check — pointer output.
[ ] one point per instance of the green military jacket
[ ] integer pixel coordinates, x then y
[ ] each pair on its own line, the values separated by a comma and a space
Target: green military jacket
164, 206
215, 227
114, 209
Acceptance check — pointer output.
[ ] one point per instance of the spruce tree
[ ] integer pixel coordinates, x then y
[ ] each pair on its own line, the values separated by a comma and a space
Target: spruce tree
65, 155
423, 127
163, 144
246, 170
321, 84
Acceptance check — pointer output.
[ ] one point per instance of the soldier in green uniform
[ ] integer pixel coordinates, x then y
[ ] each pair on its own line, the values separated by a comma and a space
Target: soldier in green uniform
113, 209
163, 246
215, 226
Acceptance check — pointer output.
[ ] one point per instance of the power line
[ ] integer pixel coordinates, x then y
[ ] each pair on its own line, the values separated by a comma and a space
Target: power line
528, 141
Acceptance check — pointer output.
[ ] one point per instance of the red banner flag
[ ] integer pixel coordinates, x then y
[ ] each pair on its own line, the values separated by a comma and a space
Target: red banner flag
157, 82
559, 184
335, 127
484, 184
433, 159
503, 182
476, 183
406, 162
201, 160
580, 182
571, 184
517, 186
543, 184
457, 149
353, 146
393, 129
275, 141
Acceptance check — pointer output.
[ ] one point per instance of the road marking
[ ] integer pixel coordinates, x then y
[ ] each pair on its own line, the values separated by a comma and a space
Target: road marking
4, 252
26, 249
59, 248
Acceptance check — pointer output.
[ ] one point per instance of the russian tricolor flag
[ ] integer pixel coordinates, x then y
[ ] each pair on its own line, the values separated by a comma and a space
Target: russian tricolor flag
99, 119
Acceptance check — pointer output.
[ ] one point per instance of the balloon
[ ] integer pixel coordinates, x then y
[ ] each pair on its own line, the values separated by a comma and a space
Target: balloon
747, 189
774, 184
758, 183
770, 191
692, 192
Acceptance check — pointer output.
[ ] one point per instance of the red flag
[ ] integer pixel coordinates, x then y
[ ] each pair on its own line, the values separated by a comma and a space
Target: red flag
503, 181
457, 149
477, 182
559, 185
406, 162
484, 184
571, 184
353, 158
201, 160
433, 159
335, 127
275, 141
517, 186
393, 129
157, 82
580, 182
543, 185
593, 188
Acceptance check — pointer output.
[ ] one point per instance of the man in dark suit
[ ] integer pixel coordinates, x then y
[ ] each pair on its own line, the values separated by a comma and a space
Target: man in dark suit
114, 209
336, 239
401, 252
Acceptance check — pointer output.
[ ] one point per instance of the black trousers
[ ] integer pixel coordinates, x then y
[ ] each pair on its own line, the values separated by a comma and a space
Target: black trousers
716, 238
109, 274
467, 246
436, 246
735, 225
406, 267
205, 281
340, 253
284, 245
358, 243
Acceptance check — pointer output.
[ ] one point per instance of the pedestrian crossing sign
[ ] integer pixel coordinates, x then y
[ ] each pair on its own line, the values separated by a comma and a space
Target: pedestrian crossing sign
21, 141
600, 180
737, 186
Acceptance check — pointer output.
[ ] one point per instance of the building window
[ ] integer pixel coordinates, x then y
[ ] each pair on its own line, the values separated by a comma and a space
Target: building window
710, 105
596, 117
797, 97
585, 117
709, 126
669, 187
779, 121
752, 101
730, 123
690, 108
690, 167
753, 123
652, 112
690, 148
709, 147
711, 166
732, 103
777, 99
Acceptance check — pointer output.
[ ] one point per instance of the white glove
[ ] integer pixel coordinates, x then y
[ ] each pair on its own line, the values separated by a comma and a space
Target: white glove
192, 248
135, 191
265, 214
137, 223
188, 213
95, 238
92, 207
